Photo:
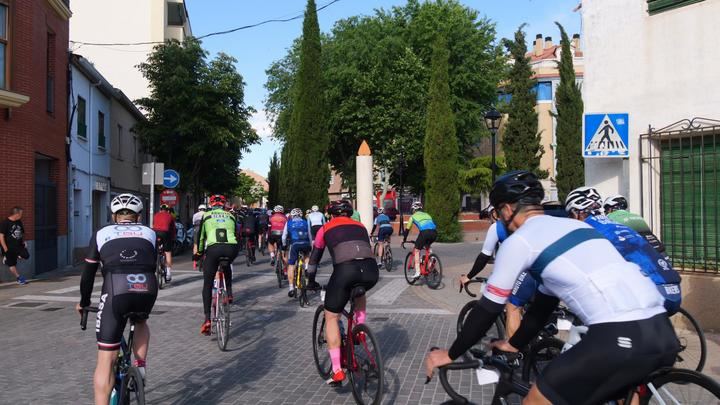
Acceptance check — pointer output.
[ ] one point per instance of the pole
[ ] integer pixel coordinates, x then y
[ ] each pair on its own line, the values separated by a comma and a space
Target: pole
152, 193
400, 172
494, 166
364, 185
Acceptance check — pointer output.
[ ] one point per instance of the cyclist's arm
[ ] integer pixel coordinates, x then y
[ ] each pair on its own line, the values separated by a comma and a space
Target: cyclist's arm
309, 230
535, 319
491, 240
92, 262
200, 237
172, 230
372, 231
318, 248
285, 234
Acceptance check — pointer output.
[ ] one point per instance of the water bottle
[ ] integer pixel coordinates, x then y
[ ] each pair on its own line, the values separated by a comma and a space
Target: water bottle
113, 397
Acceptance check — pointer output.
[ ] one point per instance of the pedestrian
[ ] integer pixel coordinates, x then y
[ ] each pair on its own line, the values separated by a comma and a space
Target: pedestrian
11, 241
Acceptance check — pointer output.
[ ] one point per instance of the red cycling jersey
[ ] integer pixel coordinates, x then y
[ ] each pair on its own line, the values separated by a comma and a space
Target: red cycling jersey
277, 222
163, 222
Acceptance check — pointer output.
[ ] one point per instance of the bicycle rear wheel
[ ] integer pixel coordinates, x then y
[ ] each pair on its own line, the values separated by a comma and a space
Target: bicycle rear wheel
539, 356
693, 349
278, 269
160, 270
132, 388
387, 258
222, 321
366, 371
410, 269
301, 284
434, 268
320, 348
678, 386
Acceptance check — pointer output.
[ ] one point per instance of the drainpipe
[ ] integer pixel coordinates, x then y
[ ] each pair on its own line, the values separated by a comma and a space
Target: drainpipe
91, 145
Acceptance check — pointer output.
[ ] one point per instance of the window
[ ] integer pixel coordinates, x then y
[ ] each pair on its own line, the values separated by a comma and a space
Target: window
50, 73
176, 14
544, 91
4, 18
119, 141
81, 120
656, 6
101, 130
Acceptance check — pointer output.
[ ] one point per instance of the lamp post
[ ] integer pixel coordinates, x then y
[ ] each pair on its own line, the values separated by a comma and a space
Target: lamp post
400, 167
492, 121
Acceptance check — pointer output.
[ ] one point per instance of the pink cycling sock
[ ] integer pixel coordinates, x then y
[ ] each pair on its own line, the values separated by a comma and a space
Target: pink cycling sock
335, 358
360, 316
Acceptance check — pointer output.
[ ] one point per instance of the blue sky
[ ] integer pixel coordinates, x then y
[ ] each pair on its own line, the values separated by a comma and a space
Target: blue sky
256, 48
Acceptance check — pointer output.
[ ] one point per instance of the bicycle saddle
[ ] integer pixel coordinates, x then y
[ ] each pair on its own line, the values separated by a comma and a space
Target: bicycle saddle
137, 316
224, 261
357, 291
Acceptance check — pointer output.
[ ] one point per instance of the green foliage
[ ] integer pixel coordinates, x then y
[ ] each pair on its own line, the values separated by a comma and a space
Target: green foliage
197, 118
476, 178
521, 140
305, 156
248, 189
442, 196
569, 105
274, 181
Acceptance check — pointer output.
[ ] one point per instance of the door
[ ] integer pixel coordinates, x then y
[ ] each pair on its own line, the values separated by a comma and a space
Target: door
45, 227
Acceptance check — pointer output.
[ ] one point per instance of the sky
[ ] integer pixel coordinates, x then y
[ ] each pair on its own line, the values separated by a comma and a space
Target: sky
256, 48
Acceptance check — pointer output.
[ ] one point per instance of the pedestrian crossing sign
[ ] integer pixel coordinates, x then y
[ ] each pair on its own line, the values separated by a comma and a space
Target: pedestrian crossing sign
606, 135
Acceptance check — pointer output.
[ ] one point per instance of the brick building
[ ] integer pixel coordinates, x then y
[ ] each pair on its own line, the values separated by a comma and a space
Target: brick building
33, 126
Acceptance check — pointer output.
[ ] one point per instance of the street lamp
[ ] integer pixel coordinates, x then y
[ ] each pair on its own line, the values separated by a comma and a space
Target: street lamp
492, 121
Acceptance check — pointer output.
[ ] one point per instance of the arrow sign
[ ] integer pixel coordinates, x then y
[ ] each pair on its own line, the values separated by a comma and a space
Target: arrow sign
171, 178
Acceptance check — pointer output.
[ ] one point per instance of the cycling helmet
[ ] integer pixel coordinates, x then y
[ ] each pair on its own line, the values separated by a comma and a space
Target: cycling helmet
296, 212
616, 202
217, 200
202, 207
417, 205
269, 212
315, 208
279, 208
520, 186
380, 210
126, 202
583, 199
340, 207
164, 207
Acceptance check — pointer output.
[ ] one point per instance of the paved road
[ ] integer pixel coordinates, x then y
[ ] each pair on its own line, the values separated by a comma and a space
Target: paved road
48, 359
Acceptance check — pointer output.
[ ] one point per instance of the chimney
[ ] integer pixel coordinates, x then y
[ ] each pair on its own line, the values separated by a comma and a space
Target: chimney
538, 45
576, 42
548, 42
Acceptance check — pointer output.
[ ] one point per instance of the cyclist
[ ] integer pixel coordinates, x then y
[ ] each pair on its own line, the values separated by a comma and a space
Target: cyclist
353, 265
316, 219
197, 217
616, 209
216, 239
164, 227
263, 218
249, 229
126, 250
385, 230
427, 232
297, 230
574, 263
277, 225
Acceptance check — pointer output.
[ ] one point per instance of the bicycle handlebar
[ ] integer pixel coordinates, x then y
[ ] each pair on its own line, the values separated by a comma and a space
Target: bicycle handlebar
475, 280
83, 319
407, 241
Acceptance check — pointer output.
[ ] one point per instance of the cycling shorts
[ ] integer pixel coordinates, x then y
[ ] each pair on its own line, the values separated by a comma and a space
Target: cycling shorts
262, 228
425, 238
524, 290
165, 240
275, 239
122, 294
295, 249
384, 233
345, 277
609, 348
314, 230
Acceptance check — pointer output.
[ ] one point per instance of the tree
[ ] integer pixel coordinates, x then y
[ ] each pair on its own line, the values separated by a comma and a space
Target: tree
248, 189
521, 140
307, 166
476, 178
442, 195
197, 120
274, 181
569, 106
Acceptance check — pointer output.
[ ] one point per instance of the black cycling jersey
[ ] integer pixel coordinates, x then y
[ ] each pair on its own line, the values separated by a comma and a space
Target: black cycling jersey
250, 222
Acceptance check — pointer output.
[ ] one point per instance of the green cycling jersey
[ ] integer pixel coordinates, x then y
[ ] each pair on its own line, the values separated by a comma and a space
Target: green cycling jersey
632, 221
217, 226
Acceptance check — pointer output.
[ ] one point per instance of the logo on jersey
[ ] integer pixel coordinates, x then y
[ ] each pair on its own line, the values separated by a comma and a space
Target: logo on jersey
137, 282
101, 305
624, 342
127, 255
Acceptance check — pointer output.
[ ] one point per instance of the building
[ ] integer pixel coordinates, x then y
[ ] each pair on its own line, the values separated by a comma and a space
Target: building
657, 61
33, 126
261, 183
121, 22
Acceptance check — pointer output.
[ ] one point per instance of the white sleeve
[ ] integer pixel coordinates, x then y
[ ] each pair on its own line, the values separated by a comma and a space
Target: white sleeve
513, 257
491, 240
285, 233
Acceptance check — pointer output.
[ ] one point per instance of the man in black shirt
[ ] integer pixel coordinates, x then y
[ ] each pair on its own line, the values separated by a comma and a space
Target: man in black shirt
11, 242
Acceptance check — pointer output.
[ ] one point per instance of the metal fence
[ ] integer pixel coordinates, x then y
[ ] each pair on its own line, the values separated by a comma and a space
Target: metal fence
680, 191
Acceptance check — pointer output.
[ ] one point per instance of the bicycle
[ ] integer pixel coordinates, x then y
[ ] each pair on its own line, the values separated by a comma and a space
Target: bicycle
279, 267
430, 267
497, 331
301, 280
387, 258
692, 341
129, 383
160, 264
249, 251
220, 307
263, 243
364, 364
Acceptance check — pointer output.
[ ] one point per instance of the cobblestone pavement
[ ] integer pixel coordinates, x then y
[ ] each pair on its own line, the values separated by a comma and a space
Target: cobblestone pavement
48, 359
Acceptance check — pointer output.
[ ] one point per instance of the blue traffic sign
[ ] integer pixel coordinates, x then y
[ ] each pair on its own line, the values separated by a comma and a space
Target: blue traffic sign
606, 135
171, 178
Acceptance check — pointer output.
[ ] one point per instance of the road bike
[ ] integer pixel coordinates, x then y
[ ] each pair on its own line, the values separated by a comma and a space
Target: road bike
280, 268
430, 267
129, 384
263, 243
387, 257
301, 279
160, 264
497, 331
249, 250
360, 354
220, 305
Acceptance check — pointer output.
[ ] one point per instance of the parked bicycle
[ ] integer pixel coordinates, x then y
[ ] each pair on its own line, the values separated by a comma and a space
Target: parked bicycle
360, 354
430, 267
129, 383
387, 257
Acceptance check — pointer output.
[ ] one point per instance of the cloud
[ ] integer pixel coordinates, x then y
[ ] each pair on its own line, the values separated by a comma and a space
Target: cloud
261, 124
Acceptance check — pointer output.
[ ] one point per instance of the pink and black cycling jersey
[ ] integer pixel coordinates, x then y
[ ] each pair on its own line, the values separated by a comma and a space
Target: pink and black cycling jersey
277, 223
346, 239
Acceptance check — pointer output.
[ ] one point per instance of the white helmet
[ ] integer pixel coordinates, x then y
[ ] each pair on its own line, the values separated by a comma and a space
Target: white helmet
616, 202
202, 207
269, 212
417, 205
380, 210
279, 208
126, 202
296, 212
315, 208
584, 199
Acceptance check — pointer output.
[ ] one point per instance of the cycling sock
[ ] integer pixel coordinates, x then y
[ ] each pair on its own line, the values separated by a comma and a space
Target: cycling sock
290, 286
168, 270
335, 359
360, 316
139, 363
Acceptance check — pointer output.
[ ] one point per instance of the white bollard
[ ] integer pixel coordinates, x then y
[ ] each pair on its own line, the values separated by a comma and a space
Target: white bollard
365, 189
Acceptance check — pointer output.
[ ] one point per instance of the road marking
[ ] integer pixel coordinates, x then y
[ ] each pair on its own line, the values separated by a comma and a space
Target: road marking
388, 293
71, 289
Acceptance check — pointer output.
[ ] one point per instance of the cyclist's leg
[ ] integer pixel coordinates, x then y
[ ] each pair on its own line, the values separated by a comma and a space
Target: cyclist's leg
230, 251
104, 378
420, 242
109, 334
338, 294
210, 265
535, 397
369, 277
292, 260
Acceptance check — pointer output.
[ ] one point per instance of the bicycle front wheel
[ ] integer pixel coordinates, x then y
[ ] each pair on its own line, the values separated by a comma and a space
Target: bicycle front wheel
319, 344
693, 349
366, 368
410, 269
496, 331
678, 386
434, 268
132, 388
278, 270
222, 322
160, 272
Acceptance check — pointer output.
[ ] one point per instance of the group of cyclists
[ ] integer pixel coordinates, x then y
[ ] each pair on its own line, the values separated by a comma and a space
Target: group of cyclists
617, 280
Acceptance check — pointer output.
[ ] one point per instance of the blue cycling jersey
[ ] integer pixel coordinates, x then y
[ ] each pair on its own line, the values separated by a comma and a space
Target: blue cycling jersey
383, 221
297, 229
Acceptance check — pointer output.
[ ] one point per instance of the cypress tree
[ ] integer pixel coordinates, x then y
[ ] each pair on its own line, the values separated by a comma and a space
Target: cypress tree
442, 194
306, 150
521, 140
273, 181
569, 106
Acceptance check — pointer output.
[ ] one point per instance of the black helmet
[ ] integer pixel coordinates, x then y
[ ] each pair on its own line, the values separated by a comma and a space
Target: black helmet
520, 186
340, 207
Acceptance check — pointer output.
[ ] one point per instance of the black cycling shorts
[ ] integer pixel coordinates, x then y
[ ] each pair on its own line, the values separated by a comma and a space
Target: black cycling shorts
314, 230
609, 359
276, 240
345, 277
425, 238
165, 239
122, 294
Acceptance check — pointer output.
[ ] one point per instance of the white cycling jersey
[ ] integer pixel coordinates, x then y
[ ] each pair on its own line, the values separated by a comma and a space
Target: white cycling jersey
491, 240
592, 278
197, 218
316, 218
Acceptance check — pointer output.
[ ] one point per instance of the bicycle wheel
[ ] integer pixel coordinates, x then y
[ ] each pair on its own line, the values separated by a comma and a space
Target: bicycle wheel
160, 271
410, 269
677, 386
278, 271
132, 388
366, 371
496, 331
320, 349
434, 268
693, 349
248, 258
222, 322
539, 356
300, 284
388, 258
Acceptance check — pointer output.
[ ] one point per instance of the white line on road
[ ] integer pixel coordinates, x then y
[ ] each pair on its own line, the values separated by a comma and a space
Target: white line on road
388, 293
71, 289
